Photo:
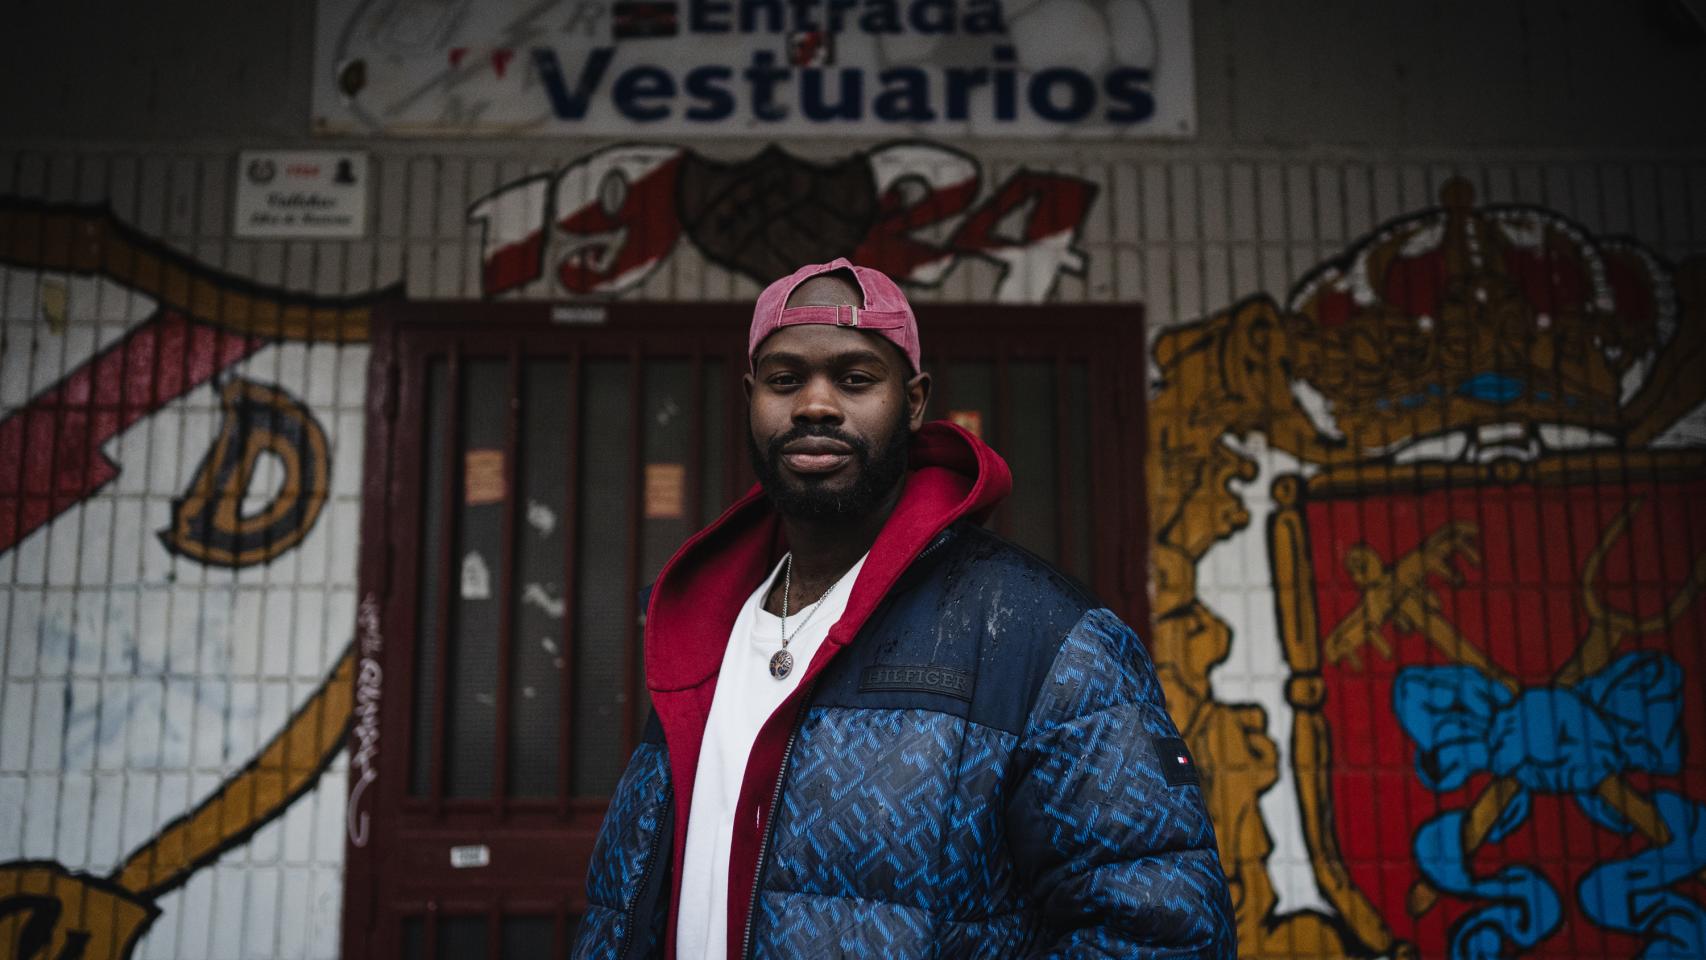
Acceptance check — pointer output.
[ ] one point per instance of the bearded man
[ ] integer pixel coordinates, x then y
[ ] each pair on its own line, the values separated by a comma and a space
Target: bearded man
878, 729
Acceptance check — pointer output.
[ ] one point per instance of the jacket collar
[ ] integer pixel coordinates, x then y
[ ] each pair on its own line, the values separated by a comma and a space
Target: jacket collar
953, 475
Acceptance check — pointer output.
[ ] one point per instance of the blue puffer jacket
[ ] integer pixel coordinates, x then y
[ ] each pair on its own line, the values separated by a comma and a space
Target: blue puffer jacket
984, 768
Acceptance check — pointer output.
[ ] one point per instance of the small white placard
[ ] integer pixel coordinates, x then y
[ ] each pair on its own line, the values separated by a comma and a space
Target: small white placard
301, 194
472, 855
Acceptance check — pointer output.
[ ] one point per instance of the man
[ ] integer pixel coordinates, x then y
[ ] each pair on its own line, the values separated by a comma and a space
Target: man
879, 730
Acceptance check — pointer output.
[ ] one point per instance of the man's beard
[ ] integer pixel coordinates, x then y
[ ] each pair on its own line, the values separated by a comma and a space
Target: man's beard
878, 473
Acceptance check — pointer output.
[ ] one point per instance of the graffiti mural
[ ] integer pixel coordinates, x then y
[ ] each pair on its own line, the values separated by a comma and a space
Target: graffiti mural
47, 910
604, 223
75, 454
1486, 568
1458, 467
1553, 793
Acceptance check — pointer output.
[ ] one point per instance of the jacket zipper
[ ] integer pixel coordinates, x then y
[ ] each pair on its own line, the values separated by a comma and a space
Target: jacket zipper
666, 822
939, 540
770, 822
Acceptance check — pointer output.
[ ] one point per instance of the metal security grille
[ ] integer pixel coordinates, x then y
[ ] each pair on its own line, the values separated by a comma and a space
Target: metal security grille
536, 530
527, 477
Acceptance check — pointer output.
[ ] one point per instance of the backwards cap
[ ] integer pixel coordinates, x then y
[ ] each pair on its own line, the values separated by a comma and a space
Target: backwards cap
884, 311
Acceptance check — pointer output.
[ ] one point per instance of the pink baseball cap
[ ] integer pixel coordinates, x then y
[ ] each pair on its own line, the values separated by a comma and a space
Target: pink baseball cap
885, 311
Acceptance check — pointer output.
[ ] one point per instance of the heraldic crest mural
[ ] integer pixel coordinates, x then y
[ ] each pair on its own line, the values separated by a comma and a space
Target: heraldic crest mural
1487, 565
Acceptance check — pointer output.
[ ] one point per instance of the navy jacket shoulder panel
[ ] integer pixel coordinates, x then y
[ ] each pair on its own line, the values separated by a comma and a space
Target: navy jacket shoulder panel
971, 629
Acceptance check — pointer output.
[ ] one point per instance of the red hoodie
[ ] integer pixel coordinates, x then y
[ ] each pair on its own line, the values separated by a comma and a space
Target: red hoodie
698, 594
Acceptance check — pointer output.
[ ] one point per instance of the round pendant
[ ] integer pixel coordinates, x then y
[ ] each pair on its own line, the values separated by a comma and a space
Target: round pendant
781, 664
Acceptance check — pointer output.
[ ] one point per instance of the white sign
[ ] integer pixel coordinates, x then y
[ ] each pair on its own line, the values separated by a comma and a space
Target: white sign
301, 193
471, 855
757, 68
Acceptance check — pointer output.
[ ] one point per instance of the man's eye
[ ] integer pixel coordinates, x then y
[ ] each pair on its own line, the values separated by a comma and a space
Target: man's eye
858, 379
783, 380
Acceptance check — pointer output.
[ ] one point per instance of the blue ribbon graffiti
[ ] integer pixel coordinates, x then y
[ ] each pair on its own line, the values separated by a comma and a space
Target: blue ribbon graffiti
1559, 740
1525, 908
1633, 894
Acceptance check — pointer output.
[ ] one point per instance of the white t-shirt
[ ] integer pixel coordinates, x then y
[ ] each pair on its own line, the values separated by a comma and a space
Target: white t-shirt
746, 697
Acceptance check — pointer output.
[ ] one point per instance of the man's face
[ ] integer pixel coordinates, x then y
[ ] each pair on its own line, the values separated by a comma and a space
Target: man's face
832, 413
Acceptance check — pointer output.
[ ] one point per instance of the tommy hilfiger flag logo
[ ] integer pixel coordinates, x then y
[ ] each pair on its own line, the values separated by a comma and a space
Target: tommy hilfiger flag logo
1176, 763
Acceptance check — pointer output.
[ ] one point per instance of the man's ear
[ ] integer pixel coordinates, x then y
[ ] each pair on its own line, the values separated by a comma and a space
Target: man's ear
746, 383
917, 399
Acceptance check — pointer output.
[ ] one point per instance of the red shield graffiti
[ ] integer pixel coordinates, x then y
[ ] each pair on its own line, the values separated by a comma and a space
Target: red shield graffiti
1514, 596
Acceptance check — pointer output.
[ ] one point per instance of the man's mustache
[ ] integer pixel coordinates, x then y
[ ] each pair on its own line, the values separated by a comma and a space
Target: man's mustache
773, 450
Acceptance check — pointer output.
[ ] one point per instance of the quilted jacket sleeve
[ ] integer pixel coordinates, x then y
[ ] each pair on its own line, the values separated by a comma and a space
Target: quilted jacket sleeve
1119, 861
625, 856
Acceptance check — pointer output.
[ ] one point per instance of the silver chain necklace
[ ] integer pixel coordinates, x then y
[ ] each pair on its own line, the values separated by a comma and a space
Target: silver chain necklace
782, 662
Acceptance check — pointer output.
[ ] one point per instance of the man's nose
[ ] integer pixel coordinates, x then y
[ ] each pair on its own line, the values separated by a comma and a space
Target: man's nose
817, 402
